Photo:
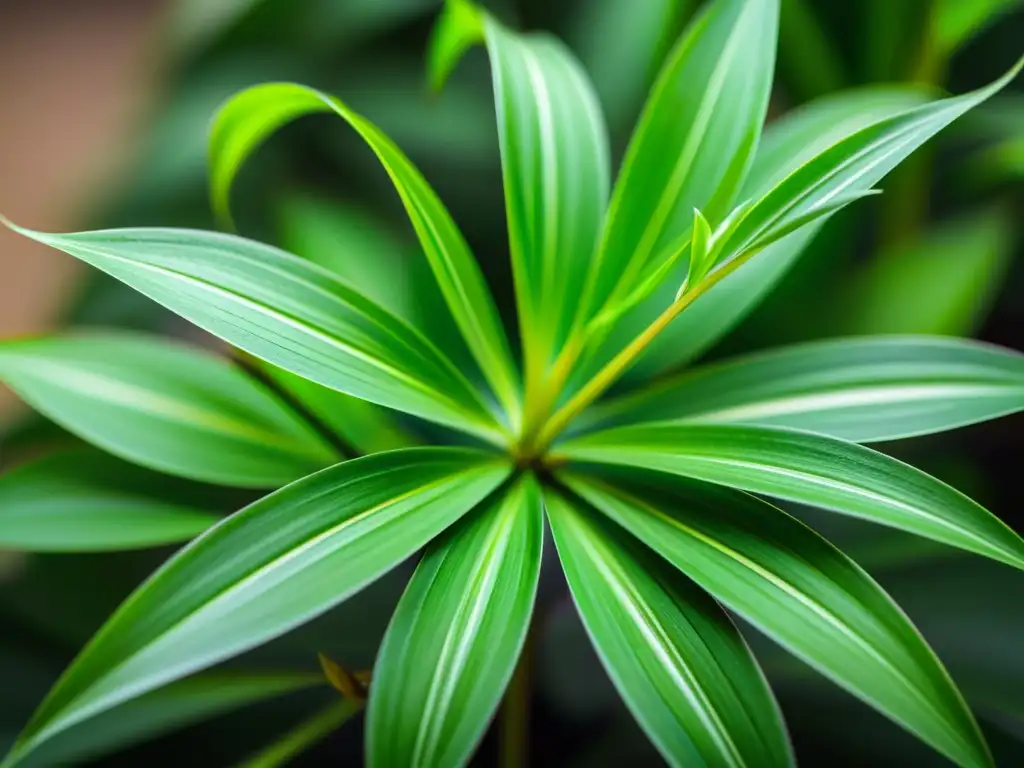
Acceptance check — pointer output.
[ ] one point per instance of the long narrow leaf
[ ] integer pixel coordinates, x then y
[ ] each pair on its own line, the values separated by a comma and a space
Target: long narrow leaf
164, 405
193, 700
809, 469
252, 115
268, 568
456, 635
303, 736
693, 144
554, 152
786, 144
64, 503
863, 390
801, 591
677, 660
855, 163
288, 312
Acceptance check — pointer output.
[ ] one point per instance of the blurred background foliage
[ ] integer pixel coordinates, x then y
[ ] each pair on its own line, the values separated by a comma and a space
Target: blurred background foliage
939, 253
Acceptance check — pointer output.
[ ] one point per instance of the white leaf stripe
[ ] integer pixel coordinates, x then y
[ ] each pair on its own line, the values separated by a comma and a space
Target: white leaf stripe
119, 392
233, 596
853, 397
462, 632
305, 328
658, 639
853, 490
789, 589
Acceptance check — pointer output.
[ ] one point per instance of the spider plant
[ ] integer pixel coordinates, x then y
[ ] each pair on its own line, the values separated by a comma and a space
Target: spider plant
651, 484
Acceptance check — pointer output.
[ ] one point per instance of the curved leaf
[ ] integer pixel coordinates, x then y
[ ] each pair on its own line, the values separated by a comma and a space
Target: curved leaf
193, 700
693, 144
787, 143
799, 590
855, 163
164, 405
453, 642
676, 658
863, 390
809, 469
266, 569
61, 503
252, 115
555, 162
288, 312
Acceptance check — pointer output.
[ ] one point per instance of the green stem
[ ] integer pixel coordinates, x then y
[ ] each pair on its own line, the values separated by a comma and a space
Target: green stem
514, 725
622, 362
303, 736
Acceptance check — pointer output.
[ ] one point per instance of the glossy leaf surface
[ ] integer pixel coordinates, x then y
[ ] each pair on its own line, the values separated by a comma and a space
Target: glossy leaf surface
456, 635
164, 405
863, 390
251, 116
808, 469
674, 655
554, 152
288, 312
693, 144
787, 143
801, 591
270, 567
69, 503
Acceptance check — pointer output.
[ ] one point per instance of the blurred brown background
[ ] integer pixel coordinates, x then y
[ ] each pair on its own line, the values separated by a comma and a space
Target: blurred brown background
63, 63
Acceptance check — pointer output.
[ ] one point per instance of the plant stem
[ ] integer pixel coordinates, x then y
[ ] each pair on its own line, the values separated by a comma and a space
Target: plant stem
629, 354
514, 725
303, 736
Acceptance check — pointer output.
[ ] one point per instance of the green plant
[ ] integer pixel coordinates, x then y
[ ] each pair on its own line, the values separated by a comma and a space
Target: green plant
648, 493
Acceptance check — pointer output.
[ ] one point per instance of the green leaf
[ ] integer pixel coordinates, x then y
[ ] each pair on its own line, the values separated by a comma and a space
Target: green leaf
693, 144
799, 590
855, 163
164, 405
676, 658
366, 427
864, 390
809, 469
252, 115
787, 144
288, 312
701, 253
555, 163
303, 736
955, 22
455, 637
266, 569
176, 706
943, 283
64, 503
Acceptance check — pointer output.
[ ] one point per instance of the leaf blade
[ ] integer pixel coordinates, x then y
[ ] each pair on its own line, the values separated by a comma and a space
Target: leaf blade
809, 469
802, 592
288, 312
252, 115
863, 390
164, 405
685, 672
61, 503
453, 642
332, 533
555, 164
